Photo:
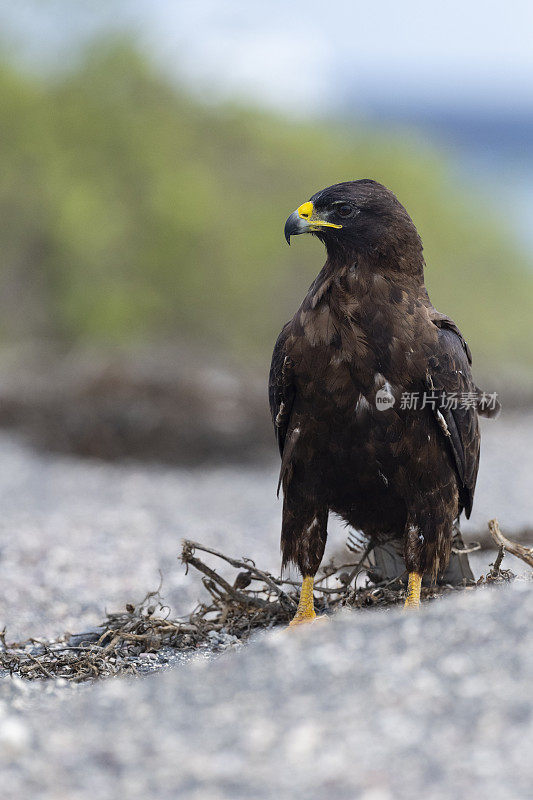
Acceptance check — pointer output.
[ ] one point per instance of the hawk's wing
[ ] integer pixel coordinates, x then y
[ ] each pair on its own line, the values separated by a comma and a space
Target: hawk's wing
281, 390
449, 372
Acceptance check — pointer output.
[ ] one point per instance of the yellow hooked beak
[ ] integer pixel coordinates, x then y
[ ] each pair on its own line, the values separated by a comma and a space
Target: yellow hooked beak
305, 220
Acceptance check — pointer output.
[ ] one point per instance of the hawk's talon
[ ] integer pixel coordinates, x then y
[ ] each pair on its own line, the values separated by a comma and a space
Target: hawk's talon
300, 619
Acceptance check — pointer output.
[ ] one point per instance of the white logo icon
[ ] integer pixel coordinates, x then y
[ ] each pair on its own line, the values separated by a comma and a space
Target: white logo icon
384, 399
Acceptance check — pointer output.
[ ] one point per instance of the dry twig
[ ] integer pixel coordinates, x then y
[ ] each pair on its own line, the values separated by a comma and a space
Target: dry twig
515, 548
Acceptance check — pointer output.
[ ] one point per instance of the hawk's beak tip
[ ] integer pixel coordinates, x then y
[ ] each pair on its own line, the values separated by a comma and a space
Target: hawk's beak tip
293, 226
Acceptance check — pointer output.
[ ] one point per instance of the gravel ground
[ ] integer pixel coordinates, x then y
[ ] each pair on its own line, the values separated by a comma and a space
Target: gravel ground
371, 705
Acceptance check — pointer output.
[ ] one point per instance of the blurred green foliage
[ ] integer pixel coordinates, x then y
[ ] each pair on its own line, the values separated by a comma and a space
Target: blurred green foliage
130, 212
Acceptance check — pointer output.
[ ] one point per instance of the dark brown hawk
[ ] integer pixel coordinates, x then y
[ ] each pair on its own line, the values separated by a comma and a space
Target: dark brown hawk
371, 393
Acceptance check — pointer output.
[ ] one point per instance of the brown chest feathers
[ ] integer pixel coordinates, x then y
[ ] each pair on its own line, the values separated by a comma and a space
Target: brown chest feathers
362, 330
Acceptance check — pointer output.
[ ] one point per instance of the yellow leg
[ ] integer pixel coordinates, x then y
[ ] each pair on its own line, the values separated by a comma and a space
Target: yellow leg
306, 610
413, 590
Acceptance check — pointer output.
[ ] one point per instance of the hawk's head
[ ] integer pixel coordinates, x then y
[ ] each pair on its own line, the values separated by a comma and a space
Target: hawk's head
355, 217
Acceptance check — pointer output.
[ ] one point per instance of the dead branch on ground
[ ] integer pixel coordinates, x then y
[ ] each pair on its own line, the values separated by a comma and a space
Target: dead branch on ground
515, 548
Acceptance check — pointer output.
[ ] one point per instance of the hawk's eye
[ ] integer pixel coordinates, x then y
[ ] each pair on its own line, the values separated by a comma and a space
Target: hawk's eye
345, 210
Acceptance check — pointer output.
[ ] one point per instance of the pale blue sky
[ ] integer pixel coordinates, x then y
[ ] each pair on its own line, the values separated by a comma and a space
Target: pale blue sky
302, 52
301, 56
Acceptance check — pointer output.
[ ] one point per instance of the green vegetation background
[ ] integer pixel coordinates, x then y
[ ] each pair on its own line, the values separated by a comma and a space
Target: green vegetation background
129, 212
